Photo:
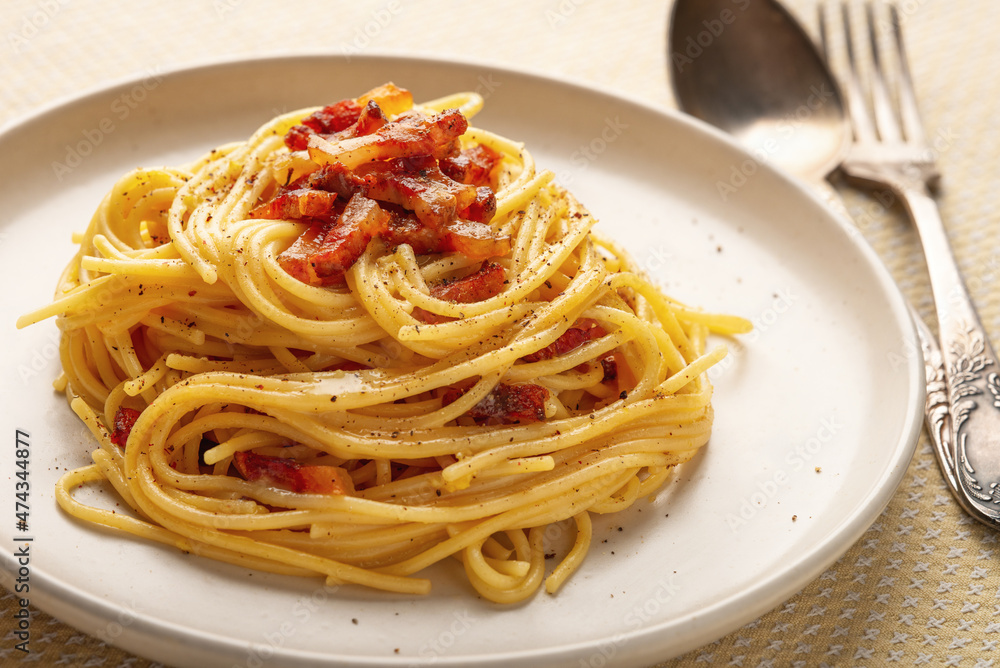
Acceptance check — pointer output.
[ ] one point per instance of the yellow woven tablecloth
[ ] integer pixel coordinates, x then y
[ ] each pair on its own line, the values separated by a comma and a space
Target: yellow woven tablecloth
921, 586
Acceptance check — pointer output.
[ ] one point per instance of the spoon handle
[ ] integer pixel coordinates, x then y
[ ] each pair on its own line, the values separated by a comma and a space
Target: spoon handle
969, 362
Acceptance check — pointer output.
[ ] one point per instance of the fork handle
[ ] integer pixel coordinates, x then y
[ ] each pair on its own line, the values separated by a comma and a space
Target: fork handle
969, 362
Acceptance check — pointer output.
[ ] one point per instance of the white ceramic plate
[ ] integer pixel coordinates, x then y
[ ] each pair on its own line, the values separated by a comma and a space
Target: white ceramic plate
817, 410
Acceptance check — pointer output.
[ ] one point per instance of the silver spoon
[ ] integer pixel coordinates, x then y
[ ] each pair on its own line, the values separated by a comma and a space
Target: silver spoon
754, 72
749, 68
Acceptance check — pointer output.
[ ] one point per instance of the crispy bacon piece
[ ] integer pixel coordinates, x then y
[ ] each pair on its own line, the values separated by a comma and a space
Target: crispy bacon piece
482, 208
297, 204
371, 119
343, 120
295, 259
332, 118
405, 182
290, 475
311, 196
404, 228
124, 421
473, 166
334, 178
418, 184
506, 404
410, 135
584, 330
322, 254
397, 164
610, 366
391, 98
476, 241
298, 163
347, 240
484, 283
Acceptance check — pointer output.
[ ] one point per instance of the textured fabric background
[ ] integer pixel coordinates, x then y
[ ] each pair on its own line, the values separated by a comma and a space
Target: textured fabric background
921, 586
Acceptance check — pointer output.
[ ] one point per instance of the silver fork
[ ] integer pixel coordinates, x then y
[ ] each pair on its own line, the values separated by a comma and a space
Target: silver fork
891, 151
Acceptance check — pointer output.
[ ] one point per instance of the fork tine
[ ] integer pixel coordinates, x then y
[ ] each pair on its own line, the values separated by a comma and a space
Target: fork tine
861, 122
908, 111
885, 118
824, 37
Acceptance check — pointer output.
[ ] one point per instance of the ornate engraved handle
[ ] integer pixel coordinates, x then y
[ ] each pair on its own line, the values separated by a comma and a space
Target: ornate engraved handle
937, 417
970, 367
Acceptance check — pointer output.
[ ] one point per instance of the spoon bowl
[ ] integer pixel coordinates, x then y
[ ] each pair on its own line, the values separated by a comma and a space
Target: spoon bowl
748, 68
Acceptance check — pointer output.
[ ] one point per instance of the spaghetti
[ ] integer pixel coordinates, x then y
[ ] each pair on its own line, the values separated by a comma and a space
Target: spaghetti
365, 340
